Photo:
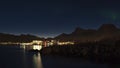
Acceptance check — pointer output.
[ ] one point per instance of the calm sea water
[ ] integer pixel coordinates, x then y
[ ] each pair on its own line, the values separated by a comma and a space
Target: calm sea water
15, 57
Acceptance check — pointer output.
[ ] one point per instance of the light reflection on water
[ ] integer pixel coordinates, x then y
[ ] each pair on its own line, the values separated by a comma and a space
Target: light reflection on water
37, 61
14, 57
31, 60
25, 60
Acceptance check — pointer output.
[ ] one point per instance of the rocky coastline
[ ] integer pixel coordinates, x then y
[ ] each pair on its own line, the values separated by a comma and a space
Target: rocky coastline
91, 51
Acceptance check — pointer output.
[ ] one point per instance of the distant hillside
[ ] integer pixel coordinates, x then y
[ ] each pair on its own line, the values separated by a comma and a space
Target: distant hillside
17, 38
105, 32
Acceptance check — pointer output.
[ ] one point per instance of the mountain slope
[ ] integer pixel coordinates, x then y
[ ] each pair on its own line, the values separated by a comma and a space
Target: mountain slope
17, 38
106, 31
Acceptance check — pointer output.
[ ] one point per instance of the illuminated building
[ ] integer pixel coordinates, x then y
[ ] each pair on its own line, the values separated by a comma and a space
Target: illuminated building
38, 42
49, 43
37, 47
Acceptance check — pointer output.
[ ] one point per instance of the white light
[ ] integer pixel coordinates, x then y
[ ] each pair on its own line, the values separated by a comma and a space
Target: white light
37, 47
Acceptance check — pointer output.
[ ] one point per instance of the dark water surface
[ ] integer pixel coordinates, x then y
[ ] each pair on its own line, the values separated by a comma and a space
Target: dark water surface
14, 57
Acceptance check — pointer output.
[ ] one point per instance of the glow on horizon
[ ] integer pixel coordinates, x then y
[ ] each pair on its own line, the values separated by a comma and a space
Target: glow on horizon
35, 34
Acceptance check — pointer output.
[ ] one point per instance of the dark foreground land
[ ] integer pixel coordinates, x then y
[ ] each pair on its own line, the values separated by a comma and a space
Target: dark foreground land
90, 51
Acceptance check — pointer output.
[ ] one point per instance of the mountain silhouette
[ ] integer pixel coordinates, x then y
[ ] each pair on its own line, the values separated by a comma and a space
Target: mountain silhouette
18, 38
108, 28
106, 31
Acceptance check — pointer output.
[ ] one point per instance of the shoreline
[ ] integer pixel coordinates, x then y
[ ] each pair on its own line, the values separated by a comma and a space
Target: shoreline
94, 52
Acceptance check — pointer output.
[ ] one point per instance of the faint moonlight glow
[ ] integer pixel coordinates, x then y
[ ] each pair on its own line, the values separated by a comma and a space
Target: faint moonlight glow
37, 47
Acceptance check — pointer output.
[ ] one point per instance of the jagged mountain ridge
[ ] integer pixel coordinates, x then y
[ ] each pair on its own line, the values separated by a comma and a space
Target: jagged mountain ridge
106, 31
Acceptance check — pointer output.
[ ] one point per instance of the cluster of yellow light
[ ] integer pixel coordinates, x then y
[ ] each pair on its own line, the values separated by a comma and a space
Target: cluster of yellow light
33, 42
25, 43
49, 43
37, 47
37, 42
65, 43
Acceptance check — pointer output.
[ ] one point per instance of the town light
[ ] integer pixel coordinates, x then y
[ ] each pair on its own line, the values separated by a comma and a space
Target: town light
37, 47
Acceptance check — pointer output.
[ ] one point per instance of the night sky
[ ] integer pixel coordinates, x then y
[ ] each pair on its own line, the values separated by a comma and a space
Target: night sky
48, 18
